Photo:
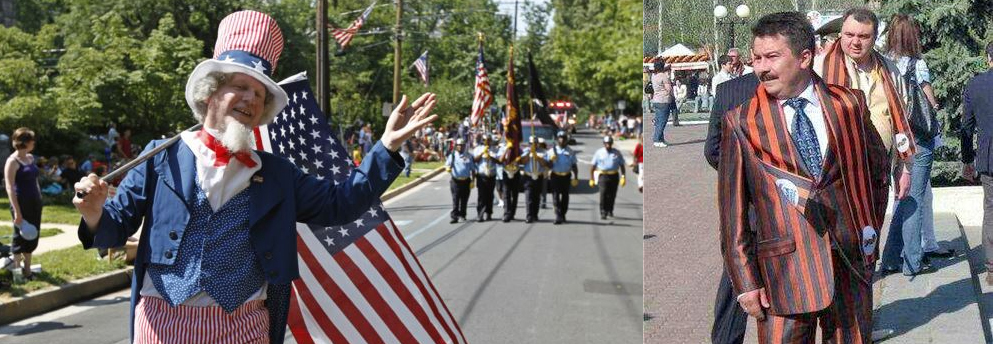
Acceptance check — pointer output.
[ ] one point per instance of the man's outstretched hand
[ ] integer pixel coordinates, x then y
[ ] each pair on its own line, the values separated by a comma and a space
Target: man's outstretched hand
406, 119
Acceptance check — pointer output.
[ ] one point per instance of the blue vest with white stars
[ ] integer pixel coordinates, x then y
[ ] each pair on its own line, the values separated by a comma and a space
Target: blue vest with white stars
214, 256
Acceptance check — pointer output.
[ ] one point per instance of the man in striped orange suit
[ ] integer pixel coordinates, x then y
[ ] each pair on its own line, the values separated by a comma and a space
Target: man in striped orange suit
807, 158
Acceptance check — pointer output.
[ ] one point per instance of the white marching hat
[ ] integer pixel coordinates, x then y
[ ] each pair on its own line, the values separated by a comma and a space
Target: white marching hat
249, 42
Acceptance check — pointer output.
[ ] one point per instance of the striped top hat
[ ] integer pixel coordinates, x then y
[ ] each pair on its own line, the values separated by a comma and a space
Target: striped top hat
249, 42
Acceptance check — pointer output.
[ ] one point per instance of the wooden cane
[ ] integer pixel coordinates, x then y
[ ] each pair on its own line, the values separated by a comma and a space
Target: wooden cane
140, 159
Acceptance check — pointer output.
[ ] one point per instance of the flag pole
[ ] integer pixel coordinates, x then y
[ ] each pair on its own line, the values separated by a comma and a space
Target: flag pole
140, 159
323, 57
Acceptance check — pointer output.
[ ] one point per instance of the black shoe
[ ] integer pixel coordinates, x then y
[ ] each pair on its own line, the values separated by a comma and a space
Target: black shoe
947, 253
454, 220
529, 220
604, 216
506, 219
889, 270
480, 219
558, 221
923, 269
489, 217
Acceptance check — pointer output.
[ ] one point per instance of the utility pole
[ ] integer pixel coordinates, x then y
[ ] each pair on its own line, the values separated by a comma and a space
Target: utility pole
659, 28
398, 37
323, 57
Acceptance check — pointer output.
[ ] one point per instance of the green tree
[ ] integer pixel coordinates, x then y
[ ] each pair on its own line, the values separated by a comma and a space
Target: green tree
590, 46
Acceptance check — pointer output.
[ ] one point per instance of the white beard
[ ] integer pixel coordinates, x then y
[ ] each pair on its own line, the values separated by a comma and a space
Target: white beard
238, 137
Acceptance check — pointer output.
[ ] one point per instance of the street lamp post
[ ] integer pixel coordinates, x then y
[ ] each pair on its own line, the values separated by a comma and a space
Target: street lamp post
742, 12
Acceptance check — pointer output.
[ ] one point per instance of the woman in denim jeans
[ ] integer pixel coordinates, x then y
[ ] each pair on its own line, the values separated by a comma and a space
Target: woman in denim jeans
663, 96
911, 238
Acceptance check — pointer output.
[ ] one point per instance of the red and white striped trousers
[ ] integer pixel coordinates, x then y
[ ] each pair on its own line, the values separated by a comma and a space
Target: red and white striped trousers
157, 322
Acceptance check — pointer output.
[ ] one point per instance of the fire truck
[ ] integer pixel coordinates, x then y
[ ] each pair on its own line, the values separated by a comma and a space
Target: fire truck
564, 114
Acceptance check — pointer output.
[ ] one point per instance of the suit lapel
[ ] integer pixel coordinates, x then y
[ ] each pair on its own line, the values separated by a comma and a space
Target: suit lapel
179, 174
833, 121
767, 127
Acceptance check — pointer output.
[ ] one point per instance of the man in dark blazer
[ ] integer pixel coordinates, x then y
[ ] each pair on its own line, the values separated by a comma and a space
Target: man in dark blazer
730, 324
978, 118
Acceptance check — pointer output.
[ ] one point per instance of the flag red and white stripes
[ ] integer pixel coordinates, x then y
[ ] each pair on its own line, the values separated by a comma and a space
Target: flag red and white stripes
482, 96
421, 65
344, 36
360, 282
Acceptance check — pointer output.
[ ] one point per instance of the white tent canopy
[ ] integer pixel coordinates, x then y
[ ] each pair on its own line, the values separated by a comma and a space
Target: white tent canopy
676, 50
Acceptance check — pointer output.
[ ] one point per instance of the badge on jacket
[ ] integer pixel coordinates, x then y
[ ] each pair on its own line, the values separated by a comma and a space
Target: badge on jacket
902, 142
789, 192
868, 236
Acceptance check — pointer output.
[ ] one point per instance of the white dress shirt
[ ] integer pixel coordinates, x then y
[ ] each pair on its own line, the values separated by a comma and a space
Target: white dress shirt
813, 112
220, 184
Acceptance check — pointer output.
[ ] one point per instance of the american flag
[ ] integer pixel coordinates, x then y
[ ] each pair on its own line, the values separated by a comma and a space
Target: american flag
360, 282
482, 97
421, 65
344, 36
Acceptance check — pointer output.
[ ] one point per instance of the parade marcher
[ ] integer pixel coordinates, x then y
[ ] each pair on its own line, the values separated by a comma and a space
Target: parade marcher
610, 164
217, 253
543, 147
486, 161
510, 175
533, 174
812, 132
563, 174
462, 168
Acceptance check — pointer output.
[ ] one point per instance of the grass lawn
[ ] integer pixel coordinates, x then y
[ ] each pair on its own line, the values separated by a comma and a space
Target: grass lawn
419, 169
59, 267
7, 231
51, 213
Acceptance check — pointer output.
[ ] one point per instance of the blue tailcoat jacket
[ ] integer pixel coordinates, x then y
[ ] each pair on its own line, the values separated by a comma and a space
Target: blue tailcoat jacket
158, 195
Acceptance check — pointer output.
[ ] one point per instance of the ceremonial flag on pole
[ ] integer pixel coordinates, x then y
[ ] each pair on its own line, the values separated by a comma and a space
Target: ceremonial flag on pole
421, 65
512, 125
540, 106
344, 36
360, 282
482, 96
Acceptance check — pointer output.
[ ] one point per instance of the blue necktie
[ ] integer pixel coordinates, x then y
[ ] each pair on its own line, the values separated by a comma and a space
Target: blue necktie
805, 137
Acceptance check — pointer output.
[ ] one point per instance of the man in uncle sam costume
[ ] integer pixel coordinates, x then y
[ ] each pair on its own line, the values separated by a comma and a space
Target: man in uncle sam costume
217, 252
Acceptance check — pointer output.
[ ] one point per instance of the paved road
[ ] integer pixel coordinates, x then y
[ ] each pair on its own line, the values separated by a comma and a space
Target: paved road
578, 282
681, 238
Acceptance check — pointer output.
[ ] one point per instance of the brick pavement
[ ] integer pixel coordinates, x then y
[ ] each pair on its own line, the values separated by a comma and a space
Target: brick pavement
681, 249
682, 260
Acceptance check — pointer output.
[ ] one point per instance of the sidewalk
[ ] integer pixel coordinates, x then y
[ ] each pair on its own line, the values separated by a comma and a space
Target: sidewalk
953, 305
60, 241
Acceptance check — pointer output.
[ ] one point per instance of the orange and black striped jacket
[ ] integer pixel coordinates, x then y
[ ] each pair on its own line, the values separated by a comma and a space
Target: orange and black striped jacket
800, 221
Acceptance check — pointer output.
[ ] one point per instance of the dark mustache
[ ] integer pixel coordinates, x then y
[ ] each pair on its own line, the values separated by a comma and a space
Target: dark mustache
765, 76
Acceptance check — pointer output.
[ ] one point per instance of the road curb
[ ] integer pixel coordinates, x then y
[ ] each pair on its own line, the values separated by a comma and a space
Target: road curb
50, 299
389, 195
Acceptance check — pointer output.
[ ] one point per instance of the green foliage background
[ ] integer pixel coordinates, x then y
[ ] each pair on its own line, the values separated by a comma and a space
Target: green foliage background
68, 68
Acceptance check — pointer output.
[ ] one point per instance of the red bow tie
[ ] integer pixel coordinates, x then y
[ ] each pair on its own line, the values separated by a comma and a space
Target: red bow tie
222, 154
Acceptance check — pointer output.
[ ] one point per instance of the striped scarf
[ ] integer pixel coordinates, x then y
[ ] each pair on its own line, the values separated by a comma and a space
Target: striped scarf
835, 72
